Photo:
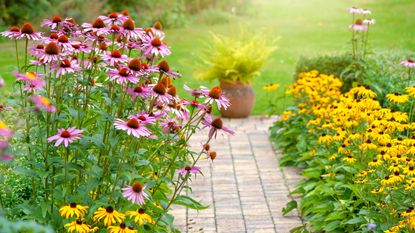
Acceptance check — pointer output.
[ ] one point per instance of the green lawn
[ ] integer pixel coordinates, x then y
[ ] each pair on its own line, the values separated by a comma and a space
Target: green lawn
306, 28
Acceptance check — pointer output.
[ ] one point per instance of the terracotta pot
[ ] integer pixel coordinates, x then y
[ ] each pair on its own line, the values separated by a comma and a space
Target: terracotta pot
241, 97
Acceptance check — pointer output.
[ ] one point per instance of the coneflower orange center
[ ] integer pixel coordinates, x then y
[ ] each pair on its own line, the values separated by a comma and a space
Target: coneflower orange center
156, 42
128, 24
215, 92
98, 23
63, 39
65, 63
158, 26
113, 15
134, 64
164, 66
359, 21
217, 123
124, 12
65, 134
172, 91
133, 123
40, 46
137, 187
116, 54
54, 36
187, 168
212, 155
138, 89
123, 72
410, 60
52, 49
27, 28
160, 89
142, 118
56, 19
15, 29
115, 28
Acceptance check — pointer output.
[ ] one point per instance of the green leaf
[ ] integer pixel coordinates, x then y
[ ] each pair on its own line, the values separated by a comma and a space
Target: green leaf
189, 203
290, 206
356, 220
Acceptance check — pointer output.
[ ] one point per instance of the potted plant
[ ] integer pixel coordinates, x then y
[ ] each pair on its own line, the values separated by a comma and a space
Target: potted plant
235, 63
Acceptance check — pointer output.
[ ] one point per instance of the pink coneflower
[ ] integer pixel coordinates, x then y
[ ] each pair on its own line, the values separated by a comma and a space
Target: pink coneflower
133, 127
98, 27
43, 103
5, 108
2, 83
13, 33
114, 57
4, 130
135, 66
165, 69
140, 90
358, 25
129, 30
153, 46
195, 104
160, 92
157, 30
189, 170
52, 23
369, 21
80, 47
122, 75
27, 31
194, 92
354, 10
114, 18
4, 145
64, 43
147, 69
408, 63
66, 67
66, 136
38, 49
29, 77
135, 193
216, 95
35, 86
215, 126
6, 157
170, 127
366, 12
50, 54
145, 118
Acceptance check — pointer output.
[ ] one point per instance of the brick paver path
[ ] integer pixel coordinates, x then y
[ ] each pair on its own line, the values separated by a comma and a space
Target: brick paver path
245, 187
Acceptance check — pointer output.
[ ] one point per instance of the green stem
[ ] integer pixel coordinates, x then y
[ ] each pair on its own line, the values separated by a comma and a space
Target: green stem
17, 55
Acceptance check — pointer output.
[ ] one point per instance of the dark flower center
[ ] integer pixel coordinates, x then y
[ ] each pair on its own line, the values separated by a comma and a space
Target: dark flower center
65, 63
54, 36
65, 134
134, 64
215, 92
76, 46
410, 60
124, 12
128, 24
52, 49
98, 23
206, 147
142, 118
138, 89
386, 177
103, 46
116, 54
123, 72
40, 46
27, 28
172, 91
396, 173
79, 221
63, 39
109, 209
73, 205
137, 187
411, 168
359, 21
212, 155
187, 168
158, 26
217, 123
123, 226
113, 15
141, 211
15, 29
115, 28
164, 66
156, 42
160, 89
56, 19
144, 65
133, 123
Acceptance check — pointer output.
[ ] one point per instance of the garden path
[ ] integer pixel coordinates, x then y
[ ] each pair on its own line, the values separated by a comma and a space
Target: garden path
244, 187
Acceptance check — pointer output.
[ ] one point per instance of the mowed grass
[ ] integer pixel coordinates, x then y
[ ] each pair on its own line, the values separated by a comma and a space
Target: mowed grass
305, 28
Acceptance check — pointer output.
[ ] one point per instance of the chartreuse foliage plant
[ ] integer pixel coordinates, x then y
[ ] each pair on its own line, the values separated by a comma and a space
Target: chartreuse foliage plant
357, 156
231, 59
94, 137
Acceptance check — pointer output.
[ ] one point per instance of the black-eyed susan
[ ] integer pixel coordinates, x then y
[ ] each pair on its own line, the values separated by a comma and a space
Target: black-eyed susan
349, 159
377, 191
73, 210
271, 87
387, 181
397, 98
409, 171
394, 167
140, 216
410, 91
122, 228
397, 177
77, 226
109, 215
375, 162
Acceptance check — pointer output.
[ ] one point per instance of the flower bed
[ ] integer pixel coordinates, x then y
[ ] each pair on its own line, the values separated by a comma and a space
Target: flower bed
96, 138
357, 156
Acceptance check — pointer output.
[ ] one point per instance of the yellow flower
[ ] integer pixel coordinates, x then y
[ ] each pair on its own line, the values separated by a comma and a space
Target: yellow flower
377, 191
73, 209
375, 162
140, 216
271, 87
3, 125
410, 171
394, 167
387, 181
122, 228
78, 227
397, 98
349, 159
410, 91
109, 214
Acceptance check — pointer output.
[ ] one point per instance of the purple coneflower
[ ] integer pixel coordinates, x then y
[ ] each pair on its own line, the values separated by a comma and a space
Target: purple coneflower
13, 33
147, 69
122, 75
5, 108
160, 92
80, 47
43, 103
145, 118
2, 83
140, 90
170, 127
114, 18
38, 49
369, 21
4, 145
64, 43
165, 69
215, 95
358, 25
132, 127
114, 57
215, 126
27, 31
354, 10
153, 46
4, 131
129, 30
366, 12
29, 77
135, 193
35, 86
52, 23
66, 136
157, 30
98, 27
189, 170
50, 53
408, 63
195, 104
194, 92
66, 67
6, 157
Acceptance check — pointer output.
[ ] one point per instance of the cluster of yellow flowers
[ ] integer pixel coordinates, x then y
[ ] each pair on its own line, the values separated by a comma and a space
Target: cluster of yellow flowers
364, 135
108, 216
